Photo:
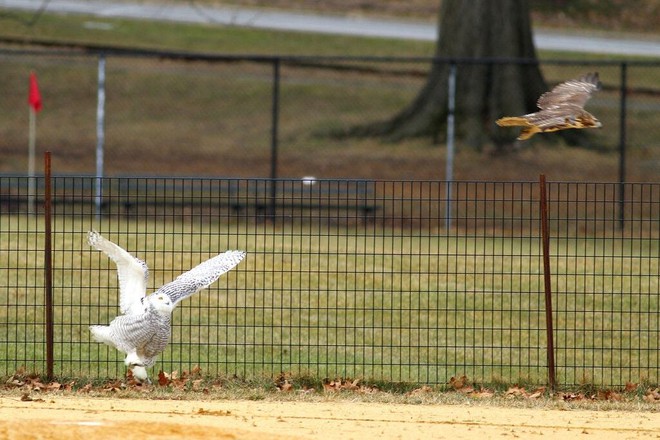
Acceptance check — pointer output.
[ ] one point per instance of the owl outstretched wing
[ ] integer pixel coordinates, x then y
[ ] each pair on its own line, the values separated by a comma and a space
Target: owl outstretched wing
132, 273
201, 276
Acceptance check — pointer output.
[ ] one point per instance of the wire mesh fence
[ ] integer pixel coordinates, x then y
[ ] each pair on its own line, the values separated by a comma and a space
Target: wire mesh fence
355, 278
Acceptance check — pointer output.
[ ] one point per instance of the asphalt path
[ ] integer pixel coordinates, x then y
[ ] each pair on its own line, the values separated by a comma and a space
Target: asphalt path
329, 24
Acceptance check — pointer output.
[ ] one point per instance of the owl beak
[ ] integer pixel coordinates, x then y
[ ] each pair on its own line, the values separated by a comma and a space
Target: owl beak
140, 373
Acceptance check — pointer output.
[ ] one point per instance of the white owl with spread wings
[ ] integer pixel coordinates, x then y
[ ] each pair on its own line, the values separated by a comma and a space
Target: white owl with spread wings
560, 109
142, 331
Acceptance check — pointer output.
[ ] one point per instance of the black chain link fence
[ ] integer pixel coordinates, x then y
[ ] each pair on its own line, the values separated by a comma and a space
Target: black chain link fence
373, 279
244, 116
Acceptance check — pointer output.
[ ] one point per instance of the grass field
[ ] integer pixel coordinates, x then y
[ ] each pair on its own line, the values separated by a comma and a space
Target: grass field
383, 303
376, 303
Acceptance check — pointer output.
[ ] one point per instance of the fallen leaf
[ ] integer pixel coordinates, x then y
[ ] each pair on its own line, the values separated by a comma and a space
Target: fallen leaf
54, 386
163, 378
539, 392
630, 387
368, 390
331, 385
483, 393
652, 395
466, 390
26, 398
458, 382
422, 390
86, 389
516, 391
568, 397
350, 386
285, 386
609, 395
282, 382
15, 382
112, 388
36, 385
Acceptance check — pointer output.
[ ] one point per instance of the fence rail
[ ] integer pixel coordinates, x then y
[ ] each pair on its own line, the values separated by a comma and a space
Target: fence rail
398, 297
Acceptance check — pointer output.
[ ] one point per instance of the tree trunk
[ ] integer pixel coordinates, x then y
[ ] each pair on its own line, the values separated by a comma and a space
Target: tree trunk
474, 29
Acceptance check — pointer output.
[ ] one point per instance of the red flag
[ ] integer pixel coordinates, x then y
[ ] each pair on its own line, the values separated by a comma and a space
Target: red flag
34, 97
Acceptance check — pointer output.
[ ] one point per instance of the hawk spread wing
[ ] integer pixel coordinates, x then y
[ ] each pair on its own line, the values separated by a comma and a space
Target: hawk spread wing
560, 109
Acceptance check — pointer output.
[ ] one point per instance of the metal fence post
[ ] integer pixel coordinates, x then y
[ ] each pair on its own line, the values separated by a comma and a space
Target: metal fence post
48, 264
547, 282
449, 166
100, 135
622, 145
274, 140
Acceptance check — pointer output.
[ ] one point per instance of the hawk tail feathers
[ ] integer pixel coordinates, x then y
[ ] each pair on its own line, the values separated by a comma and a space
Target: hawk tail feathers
513, 121
528, 130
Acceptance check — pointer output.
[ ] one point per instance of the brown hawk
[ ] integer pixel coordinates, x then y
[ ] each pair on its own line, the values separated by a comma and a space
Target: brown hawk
561, 108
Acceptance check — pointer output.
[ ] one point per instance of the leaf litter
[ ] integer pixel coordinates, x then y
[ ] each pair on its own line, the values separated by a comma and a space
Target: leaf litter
31, 386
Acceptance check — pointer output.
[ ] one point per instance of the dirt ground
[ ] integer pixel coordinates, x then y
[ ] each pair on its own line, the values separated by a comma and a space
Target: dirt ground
72, 417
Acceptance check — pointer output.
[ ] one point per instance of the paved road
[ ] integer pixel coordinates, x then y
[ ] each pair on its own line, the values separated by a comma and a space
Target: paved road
267, 19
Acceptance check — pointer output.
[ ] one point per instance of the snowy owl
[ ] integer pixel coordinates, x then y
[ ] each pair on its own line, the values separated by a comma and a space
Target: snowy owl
142, 331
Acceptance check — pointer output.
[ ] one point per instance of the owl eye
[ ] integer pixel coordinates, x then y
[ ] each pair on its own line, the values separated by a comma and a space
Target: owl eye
160, 298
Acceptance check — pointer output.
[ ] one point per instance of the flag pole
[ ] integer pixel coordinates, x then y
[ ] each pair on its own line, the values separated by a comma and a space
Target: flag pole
34, 101
33, 142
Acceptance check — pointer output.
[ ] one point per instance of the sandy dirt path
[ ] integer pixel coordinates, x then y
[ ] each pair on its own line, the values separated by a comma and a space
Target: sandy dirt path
73, 417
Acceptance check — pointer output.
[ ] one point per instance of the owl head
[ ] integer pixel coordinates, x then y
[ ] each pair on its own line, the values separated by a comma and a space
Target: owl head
162, 303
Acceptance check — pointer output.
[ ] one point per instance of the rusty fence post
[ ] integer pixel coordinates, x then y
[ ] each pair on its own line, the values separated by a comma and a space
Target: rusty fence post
547, 282
48, 264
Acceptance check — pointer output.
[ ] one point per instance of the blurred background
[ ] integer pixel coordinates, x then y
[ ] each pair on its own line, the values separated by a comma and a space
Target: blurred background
222, 99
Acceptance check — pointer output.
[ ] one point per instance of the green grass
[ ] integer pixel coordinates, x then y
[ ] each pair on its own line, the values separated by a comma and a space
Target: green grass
331, 301
200, 38
374, 297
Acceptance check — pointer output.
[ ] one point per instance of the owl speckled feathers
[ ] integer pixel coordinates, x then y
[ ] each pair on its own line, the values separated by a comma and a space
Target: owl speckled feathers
561, 108
142, 331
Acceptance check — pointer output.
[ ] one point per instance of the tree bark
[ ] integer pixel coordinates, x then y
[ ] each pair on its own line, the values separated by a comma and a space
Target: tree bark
471, 30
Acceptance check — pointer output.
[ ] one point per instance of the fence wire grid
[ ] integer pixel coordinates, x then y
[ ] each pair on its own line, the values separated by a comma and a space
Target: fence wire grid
351, 278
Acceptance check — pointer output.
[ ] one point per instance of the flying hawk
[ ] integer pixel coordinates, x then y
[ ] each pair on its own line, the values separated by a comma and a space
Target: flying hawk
561, 108
142, 331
